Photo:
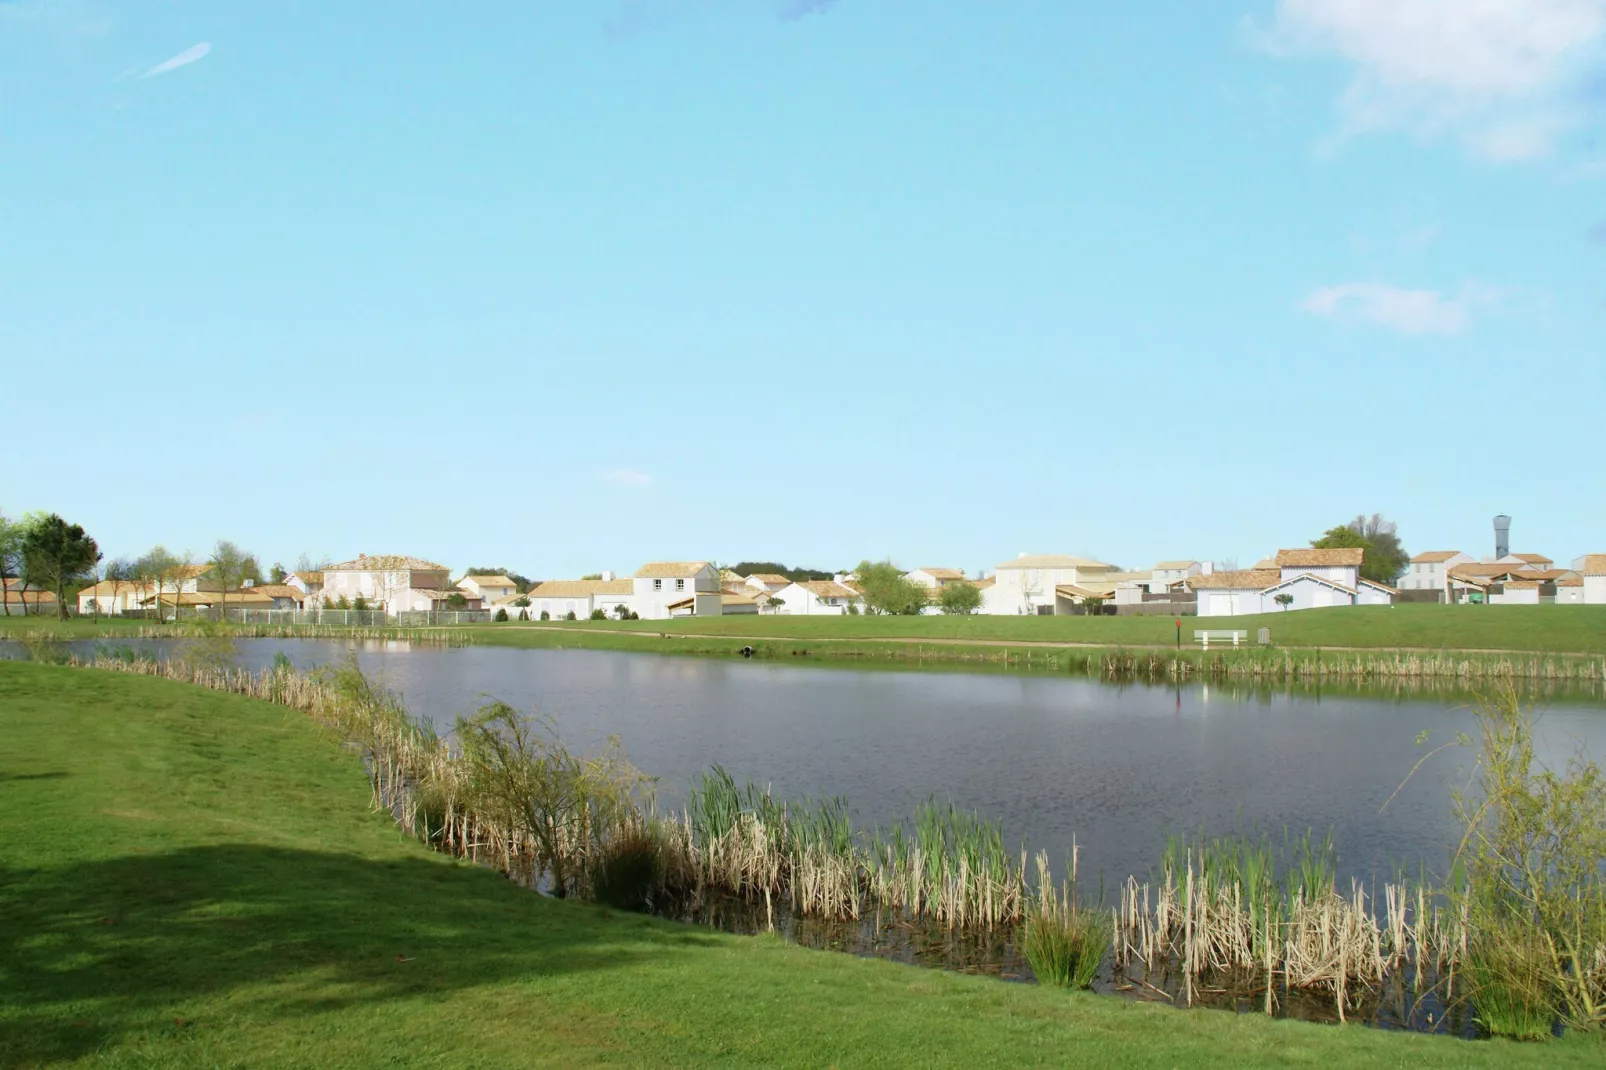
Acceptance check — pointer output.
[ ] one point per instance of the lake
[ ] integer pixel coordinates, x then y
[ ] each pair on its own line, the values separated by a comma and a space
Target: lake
1117, 768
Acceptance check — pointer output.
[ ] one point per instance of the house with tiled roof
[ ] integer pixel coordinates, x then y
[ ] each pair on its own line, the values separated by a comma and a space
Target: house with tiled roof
693, 587
25, 599
488, 588
559, 598
933, 577
818, 598
395, 583
1029, 584
1304, 578
1594, 575
769, 582
1430, 570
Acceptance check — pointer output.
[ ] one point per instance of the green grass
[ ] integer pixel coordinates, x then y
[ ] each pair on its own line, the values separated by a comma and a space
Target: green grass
191, 879
1559, 629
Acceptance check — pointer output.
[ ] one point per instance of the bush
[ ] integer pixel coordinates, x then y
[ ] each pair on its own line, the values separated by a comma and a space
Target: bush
628, 869
634, 615
501, 615
621, 611
545, 615
599, 614
524, 614
570, 615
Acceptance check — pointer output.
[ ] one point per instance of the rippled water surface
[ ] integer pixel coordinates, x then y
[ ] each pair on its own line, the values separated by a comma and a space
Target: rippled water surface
1117, 768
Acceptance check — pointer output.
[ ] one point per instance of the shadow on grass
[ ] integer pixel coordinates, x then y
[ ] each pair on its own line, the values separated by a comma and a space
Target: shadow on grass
91, 954
6, 778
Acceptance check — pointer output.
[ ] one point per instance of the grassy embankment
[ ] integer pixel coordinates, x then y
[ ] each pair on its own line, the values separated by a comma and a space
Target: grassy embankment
196, 879
1548, 642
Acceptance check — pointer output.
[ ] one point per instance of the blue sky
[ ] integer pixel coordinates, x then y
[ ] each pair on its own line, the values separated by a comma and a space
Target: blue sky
570, 286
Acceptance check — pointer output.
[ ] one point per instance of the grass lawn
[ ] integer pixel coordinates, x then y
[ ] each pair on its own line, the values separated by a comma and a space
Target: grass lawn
1559, 629
190, 879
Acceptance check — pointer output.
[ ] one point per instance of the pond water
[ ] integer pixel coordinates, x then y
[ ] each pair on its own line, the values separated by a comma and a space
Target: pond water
1117, 768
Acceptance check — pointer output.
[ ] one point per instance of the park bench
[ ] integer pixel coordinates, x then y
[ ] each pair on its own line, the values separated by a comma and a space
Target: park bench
1235, 638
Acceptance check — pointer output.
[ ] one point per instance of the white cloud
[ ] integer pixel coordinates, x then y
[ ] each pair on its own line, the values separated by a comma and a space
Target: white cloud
627, 477
190, 55
1493, 73
1399, 309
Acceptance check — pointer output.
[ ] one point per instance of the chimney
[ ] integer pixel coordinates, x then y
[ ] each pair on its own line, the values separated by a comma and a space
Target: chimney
1502, 536
607, 576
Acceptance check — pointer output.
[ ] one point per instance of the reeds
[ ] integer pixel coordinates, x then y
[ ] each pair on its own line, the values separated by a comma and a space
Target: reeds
1064, 941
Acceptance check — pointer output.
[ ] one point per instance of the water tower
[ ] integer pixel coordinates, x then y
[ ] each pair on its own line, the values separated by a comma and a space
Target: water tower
1502, 536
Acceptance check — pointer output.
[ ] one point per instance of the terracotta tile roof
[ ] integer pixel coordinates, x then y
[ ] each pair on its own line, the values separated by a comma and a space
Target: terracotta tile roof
312, 577
734, 598
490, 581
1349, 556
277, 590
19, 596
444, 594
828, 589
1071, 590
1434, 557
1595, 565
1478, 570
579, 588
670, 570
186, 598
768, 578
1265, 562
1055, 561
1379, 586
1534, 559
1575, 581
1257, 579
108, 588
982, 585
943, 573
386, 563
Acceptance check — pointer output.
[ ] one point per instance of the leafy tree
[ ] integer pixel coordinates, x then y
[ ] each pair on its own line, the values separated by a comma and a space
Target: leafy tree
776, 604
277, 574
1285, 600
10, 560
885, 590
228, 567
457, 600
1388, 558
520, 602
55, 554
747, 568
1346, 537
960, 599
591, 576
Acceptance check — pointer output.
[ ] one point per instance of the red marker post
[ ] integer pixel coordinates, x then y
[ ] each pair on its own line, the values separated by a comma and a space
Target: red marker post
1179, 635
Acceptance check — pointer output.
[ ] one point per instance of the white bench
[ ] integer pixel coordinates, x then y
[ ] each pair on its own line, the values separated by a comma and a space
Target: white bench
1235, 638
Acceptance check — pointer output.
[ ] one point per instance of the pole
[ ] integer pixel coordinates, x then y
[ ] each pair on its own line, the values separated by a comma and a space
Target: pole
1179, 635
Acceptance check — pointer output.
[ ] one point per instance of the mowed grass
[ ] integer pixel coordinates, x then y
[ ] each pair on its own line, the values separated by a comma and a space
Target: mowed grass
190, 879
1549, 629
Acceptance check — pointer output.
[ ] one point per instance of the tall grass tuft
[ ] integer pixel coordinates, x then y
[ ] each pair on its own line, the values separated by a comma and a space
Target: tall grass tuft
1064, 942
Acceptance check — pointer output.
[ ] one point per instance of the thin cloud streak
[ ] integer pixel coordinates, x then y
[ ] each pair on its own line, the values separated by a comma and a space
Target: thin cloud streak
1393, 307
193, 54
627, 477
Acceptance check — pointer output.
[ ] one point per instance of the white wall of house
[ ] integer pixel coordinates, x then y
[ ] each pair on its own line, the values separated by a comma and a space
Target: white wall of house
1367, 595
1023, 591
491, 592
1348, 575
1595, 590
653, 595
385, 588
1432, 575
1230, 602
1569, 596
1163, 578
798, 600
1307, 592
1521, 596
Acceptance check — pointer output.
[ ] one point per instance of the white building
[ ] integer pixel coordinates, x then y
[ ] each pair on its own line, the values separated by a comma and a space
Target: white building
1570, 591
310, 584
1516, 593
934, 578
1168, 573
1031, 584
126, 595
558, 598
1304, 579
767, 582
1234, 593
1594, 571
488, 588
1430, 571
392, 582
818, 598
659, 585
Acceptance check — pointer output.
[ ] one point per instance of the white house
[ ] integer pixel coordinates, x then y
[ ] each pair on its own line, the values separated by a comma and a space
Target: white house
391, 582
1430, 571
1031, 583
1570, 591
1341, 566
488, 588
1166, 574
125, 596
558, 598
1538, 562
1516, 593
934, 578
1594, 571
818, 598
767, 582
661, 584
1234, 593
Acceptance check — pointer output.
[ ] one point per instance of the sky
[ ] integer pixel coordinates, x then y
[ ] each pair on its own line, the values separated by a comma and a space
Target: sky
565, 287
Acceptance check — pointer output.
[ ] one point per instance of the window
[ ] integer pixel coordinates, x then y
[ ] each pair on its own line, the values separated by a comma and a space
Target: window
680, 585
657, 585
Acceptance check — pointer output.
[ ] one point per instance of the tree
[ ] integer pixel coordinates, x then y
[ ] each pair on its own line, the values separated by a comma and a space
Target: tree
885, 590
522, 583
228, 567
10, 560
796, 575
592, 576
960, 599
55, 554
775, 604
151, 570
457, 600
277, 574
1388, 558
1285, 600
